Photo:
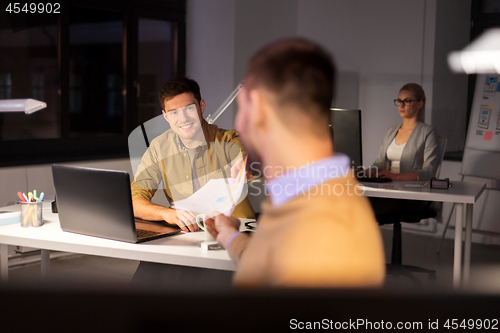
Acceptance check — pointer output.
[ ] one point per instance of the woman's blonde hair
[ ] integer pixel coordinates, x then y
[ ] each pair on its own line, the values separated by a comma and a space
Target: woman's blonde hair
419, 94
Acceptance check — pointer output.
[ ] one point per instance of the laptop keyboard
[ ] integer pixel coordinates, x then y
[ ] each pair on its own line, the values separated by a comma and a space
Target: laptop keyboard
141, 233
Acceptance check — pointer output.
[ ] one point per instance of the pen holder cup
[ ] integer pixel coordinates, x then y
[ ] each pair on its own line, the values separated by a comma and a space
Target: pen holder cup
31, 214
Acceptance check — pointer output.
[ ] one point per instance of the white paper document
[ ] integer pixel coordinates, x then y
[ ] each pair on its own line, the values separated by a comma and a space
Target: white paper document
218, 196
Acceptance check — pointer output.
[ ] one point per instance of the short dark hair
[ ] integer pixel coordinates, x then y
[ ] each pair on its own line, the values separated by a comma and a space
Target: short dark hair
298, 72
177, 86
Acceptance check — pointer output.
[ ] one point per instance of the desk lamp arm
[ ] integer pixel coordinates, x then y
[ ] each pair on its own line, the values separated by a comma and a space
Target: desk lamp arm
211, 119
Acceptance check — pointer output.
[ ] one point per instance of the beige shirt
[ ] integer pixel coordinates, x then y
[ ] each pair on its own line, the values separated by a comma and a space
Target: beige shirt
321, 239
166, 165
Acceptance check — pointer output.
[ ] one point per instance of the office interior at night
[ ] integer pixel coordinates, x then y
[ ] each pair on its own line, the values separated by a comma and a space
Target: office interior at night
99, 66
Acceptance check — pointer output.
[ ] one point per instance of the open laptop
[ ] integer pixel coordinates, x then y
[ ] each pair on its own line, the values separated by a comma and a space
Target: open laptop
98, 202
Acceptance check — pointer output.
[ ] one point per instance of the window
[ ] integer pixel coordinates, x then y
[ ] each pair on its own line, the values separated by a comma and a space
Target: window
95, 73
156, 43
98, 67
28, 67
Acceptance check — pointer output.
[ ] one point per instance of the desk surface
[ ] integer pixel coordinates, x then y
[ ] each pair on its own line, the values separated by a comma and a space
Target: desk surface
460, 192
181, 249
463, 194
184, 249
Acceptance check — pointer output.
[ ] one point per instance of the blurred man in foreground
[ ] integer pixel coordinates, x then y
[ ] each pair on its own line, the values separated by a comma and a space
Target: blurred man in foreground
316, 229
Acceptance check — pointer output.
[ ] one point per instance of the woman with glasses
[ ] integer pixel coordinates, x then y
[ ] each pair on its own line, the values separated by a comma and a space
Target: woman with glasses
410, 150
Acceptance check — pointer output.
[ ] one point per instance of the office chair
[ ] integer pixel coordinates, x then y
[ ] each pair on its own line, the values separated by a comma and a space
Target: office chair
396, 267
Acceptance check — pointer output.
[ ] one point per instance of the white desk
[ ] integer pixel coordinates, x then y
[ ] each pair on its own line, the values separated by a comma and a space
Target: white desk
463, 194
182, 249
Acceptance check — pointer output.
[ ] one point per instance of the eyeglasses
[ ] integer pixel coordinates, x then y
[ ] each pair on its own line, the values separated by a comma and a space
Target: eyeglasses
176, 113
406, 102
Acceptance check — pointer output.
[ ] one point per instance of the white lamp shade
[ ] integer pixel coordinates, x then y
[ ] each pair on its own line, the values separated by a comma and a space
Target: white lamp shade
481, 56
21, 105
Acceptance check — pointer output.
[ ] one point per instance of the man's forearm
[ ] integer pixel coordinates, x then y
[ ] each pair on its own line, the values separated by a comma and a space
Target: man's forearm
237, 247
147, 210
225, 235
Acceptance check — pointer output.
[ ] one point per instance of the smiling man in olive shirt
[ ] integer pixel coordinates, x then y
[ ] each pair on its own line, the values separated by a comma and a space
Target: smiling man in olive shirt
185, 157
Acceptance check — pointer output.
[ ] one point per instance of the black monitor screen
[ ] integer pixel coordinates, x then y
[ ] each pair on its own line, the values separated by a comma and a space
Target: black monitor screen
346, 128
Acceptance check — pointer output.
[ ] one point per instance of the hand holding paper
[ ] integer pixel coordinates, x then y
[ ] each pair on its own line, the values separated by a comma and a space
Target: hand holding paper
222, 228
217, 196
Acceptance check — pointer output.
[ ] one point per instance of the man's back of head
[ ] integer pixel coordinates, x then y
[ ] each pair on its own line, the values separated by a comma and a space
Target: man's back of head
284, 107
300, 76
314, 230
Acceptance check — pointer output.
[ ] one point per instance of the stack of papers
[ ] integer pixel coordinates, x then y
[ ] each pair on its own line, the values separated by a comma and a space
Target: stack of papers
218, 196
9, 217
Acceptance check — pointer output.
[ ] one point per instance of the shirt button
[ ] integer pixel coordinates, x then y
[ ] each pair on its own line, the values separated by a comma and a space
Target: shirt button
187, 176
184, 154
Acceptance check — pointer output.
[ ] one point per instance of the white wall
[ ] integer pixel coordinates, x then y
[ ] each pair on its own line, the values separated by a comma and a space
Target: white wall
378, 46
222, 35
210, 47
382, 44
259, 22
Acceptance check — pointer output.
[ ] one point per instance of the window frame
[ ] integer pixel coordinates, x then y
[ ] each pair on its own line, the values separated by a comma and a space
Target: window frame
65, 149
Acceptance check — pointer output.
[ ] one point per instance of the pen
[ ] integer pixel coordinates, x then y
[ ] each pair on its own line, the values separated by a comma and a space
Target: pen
29, 214
25, 198
20, 195
41, 197
30, 196
34, 193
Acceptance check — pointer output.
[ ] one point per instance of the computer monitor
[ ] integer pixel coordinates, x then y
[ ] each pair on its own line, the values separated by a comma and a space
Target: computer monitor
346, 134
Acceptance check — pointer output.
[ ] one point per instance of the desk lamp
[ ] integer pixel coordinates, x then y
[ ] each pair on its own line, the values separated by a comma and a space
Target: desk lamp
211, 119
21, 105
482, 56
